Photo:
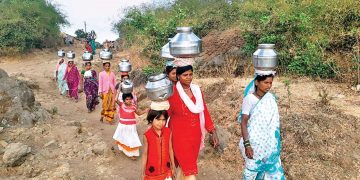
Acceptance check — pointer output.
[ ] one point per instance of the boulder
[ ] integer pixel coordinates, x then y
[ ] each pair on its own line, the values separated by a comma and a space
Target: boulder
3, 74
15, 154
17, 103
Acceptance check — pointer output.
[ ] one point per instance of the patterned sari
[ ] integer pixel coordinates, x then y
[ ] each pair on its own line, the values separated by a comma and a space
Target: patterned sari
264, 136
72, 77
108, 107
91, 87
62, 84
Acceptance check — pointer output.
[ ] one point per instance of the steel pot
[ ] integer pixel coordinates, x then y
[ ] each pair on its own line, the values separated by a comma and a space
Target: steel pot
159, 88
165, 51
185, 43
127, 86
265, 57
124, 66
105, 54
70, 55
87, 56
61, 53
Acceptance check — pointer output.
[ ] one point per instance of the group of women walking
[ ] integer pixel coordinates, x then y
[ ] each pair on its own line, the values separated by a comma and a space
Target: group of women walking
176, 135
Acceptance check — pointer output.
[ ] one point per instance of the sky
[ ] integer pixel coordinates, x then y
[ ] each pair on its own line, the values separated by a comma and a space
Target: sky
98, 14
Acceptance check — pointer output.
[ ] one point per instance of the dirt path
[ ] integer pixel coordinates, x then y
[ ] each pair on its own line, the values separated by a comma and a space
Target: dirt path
107, 166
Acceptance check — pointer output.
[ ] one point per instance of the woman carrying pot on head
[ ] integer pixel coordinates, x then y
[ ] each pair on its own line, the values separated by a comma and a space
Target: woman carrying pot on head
91, 87
190, 119
107, 93
60, 74
260, 144
72, 77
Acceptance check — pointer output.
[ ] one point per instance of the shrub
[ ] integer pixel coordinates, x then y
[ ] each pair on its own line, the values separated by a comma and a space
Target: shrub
27, 24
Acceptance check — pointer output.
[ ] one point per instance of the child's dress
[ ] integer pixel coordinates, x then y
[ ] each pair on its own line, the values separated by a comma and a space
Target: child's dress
126, 135
158, 165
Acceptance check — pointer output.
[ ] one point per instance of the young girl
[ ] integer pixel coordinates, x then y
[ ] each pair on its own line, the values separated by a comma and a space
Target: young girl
91, 87
261, 144
126, 136
107, 93
158, 156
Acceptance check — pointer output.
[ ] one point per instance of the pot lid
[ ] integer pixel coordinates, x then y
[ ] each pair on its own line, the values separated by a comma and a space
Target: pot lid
184, 29
266, 46
124, 60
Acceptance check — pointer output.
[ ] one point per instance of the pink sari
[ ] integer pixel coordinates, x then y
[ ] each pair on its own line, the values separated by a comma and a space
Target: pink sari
72, 77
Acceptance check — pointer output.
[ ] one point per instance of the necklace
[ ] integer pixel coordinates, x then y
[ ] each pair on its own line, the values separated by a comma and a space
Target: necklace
258, 95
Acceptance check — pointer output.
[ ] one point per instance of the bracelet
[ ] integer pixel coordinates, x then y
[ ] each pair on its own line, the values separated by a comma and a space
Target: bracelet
247, 143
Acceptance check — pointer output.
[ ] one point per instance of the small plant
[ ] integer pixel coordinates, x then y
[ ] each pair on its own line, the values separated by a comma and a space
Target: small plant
287, 83
324, 96
54, 110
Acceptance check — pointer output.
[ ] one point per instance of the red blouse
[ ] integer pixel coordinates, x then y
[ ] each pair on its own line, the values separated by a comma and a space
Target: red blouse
158, 161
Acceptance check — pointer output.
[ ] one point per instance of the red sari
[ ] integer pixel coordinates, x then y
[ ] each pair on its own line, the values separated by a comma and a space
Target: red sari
186, 133
72, 77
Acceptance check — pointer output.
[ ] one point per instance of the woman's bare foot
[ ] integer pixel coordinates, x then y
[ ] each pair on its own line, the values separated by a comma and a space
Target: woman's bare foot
133, 158
102, 119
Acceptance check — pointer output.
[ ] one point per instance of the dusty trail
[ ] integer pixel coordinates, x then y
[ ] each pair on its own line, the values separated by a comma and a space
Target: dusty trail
107, 166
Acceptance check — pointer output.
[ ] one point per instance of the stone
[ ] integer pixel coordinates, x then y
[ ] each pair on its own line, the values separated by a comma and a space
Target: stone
3, 74
1, 129
15, 154
3, 143
99, 148
358, 87
51, 143
17, 103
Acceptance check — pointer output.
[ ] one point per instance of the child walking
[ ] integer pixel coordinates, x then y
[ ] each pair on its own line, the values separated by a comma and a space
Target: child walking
158, 156
126, 136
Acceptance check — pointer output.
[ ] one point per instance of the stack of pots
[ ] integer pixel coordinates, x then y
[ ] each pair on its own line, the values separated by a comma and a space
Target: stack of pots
185, 44
127, 86
265, 57
61, 53
70, 55
87, 56
105, 54
125, 66
159, 88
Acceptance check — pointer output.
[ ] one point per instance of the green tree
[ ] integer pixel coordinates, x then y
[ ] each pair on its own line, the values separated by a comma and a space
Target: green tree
80, 33
27, 24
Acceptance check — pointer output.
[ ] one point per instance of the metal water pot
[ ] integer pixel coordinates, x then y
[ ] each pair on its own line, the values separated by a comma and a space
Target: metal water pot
127, 86
159, 88
70, 55
124, 66
265, 57
165, 51
61, 53
185, 43
87, 56
105, 54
